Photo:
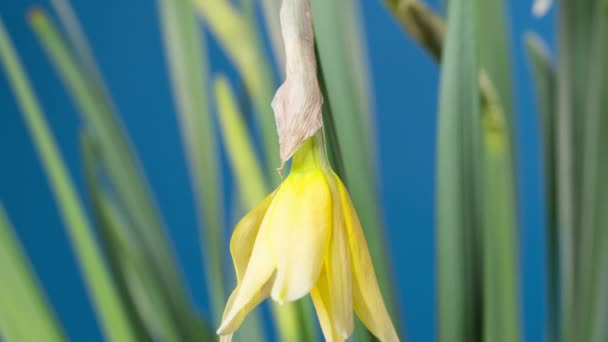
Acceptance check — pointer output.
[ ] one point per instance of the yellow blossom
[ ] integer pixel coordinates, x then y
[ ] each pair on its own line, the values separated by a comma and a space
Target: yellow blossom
305, 238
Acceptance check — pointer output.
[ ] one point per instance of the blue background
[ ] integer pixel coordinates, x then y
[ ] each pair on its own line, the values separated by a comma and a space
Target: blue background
126, 40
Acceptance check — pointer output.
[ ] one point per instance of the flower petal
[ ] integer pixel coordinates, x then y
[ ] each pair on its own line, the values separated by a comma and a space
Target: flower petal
338, 264
244, 235
322, 302
367, 298
300, 220
255, 285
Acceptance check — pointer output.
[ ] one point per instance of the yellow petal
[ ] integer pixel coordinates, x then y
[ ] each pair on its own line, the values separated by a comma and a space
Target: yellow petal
367, 298
321, 300
338, 267
300, 221
244, 235
255, 285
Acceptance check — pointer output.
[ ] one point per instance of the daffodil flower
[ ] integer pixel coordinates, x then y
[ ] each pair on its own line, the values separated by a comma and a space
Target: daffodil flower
305, 238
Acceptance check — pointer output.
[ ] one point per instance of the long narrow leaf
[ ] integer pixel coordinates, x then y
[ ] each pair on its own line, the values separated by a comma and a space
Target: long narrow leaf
572, 72
184, 50
501, 295
110, 310
499, 231
544, 81
592, 229
133, 271
575, 41
235, 34
494, 52
121, 164
242, 156
24, 304
334, 50
423, 25
458, 169
273, 26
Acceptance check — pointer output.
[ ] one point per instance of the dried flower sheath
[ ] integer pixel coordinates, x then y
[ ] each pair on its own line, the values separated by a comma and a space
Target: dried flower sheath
297, 103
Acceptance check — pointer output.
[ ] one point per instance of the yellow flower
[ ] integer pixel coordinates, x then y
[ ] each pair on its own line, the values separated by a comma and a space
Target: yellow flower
306, 238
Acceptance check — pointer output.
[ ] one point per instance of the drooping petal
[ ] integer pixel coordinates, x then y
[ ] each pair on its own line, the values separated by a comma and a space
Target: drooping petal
244, 235
338, 265
322, 302
300, 222
254, 286
231, 324
367, 298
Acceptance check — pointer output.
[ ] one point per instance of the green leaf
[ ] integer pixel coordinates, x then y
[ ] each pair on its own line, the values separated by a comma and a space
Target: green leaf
329, 126
494, 52
500, 262
458, 175
124, 173
238, 37
25, 311
423, 25
75, 35
188, 71
247, 170
574, 32
499, 230
337, 53
110, 309
599, 295
593, 229
270, 10
544, 81
134, 273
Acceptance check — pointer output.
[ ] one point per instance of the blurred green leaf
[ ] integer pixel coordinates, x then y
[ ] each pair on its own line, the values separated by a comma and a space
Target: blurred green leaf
600, 329
458, 175
75, 35
575, 29
188, 71
574, 32
497, 235
247, 170
238, 37
134, 275
122, 166
501, 282
7, 328
337, 53
25, 311
494, 53
329, 125
110, 309
423, 25
592, 227
544, 84
544, 81
500, 262
272, 20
